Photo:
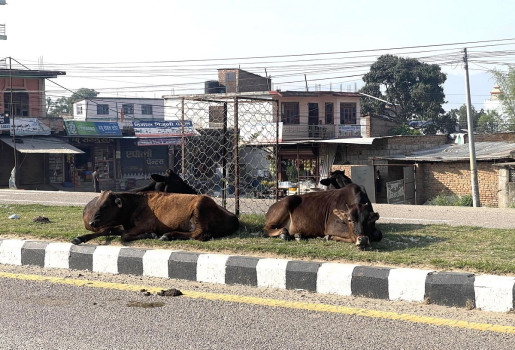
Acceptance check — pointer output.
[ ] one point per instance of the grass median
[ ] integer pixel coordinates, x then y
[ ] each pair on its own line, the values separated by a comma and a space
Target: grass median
440, 247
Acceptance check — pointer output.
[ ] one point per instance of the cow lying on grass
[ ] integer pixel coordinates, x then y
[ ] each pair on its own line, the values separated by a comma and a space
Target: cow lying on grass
344, 215
156, 214
169, 183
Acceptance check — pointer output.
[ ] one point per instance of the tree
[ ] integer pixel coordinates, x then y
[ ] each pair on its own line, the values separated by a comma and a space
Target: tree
64, 105
490, 123
414, 89
460, 114
506, 82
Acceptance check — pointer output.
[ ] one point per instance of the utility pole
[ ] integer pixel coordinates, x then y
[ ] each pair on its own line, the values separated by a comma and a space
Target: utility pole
13, 126
472, 149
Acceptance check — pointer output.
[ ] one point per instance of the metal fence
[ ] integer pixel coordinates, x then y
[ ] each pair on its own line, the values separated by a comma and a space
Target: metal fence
231, 153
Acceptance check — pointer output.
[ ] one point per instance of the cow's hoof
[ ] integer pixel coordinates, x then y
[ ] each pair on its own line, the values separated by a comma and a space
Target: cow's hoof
285, 237
298, 237
163, 238
76, 241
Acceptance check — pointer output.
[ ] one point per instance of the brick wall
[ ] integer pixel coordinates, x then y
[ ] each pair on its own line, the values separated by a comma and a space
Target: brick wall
454, 178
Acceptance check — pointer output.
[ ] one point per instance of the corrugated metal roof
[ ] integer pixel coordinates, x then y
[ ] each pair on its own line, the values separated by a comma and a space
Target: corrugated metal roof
42, 145
453, 152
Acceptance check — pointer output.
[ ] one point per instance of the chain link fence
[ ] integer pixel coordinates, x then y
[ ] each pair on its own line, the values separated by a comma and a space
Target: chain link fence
228, 149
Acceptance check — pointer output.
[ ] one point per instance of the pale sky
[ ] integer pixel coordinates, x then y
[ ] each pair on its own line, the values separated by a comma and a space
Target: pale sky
151, 48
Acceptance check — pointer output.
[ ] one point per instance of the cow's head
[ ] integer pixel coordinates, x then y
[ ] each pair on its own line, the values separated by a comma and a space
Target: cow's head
171, 183
361, 221
108, 211
336, 180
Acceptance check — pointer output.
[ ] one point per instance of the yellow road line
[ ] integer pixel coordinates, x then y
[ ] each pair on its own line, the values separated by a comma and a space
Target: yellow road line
274, 303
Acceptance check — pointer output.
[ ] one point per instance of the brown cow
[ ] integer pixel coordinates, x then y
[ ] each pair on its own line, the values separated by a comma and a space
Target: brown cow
345, 215
169, 183
157, 214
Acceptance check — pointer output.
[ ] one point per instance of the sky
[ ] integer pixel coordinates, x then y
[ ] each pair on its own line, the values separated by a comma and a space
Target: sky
151, 48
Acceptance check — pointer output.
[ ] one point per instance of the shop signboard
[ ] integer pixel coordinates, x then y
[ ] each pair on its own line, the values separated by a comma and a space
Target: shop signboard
166, 128
74, 127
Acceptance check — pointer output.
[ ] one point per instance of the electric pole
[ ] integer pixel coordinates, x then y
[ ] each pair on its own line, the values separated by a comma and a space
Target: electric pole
472, 149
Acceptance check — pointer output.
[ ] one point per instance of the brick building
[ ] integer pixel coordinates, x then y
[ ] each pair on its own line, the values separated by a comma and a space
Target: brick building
439, 166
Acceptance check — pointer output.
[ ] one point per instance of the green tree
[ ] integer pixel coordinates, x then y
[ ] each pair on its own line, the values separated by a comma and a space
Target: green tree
58, 107
490, 123
506, 82
64, 105
460, 115
414, 89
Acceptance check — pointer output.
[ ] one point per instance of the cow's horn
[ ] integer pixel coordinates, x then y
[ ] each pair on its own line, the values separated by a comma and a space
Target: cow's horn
118, 202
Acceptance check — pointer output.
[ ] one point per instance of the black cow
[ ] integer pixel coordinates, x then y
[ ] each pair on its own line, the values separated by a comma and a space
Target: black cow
157, 214
169, 183
344, 214
337, 180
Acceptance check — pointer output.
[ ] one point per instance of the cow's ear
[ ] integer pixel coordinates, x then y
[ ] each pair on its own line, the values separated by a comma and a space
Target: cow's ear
325, 182
118, 202
374, 216
158, 178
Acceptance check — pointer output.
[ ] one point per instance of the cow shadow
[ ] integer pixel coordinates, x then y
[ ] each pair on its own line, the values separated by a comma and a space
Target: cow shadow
405, 236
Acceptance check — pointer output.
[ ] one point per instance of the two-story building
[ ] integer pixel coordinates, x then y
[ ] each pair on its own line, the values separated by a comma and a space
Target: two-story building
127, 138
271, 131
30, 141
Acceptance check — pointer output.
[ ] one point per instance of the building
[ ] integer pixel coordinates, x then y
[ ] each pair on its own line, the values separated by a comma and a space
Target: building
262, 121
30, 142
127, 138
118, 109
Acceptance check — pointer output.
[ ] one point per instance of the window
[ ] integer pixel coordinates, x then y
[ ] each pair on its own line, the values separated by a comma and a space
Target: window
313, 113
78, 109
290, 113
329, 113
347, 113
511, 177
128, 108
102, 109
146, 109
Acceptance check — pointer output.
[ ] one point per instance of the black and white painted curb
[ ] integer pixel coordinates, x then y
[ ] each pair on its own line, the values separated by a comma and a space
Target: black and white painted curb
485, 292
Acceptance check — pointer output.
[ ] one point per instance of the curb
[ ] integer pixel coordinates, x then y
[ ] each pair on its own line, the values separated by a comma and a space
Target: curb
485, 292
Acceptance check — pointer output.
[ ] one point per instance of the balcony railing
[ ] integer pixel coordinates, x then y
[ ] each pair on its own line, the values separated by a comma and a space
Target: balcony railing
319, 132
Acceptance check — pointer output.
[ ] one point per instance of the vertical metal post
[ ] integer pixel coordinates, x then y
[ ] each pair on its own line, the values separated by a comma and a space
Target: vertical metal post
224, 157
236, 156
472, 149
276, 151
11, 111
182, 140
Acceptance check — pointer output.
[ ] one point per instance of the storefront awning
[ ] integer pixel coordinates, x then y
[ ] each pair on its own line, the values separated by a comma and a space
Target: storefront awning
42, 145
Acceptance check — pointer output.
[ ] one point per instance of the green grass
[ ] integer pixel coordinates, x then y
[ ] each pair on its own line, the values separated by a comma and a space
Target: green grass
440, 247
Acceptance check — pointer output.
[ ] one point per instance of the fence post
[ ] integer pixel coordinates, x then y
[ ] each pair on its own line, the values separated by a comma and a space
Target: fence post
224, 157
236, 155
182, 140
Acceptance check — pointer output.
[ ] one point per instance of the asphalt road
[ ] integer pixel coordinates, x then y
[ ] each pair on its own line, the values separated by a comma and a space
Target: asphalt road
389, 213
52, 315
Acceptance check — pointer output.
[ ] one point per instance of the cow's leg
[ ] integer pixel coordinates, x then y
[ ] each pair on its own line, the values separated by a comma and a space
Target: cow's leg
112, 231
180, 235
278, 227
135, 234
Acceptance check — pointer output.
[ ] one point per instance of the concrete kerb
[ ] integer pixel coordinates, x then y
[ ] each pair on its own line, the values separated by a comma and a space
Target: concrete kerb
485, 292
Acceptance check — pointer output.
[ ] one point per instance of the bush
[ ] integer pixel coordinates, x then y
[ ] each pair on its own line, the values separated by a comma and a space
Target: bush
452, 200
